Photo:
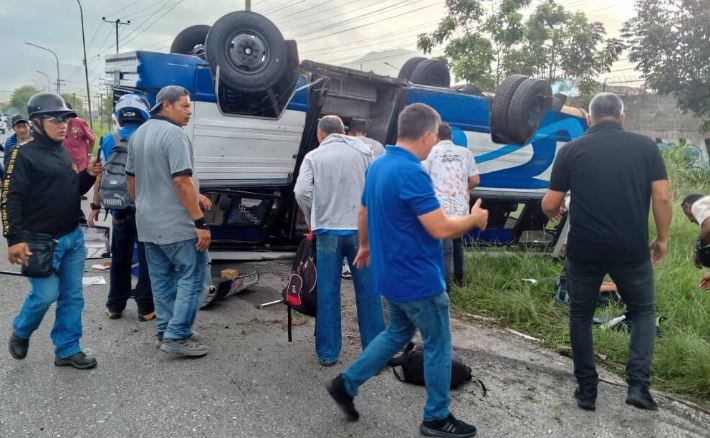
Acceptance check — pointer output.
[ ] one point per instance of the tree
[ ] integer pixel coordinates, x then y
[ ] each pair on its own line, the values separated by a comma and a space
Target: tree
19, 98
669, 40
483, 45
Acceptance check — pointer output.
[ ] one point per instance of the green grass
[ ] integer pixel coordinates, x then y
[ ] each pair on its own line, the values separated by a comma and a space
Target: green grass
494, 287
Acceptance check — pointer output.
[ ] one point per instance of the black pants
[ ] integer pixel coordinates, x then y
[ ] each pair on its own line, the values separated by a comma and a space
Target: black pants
636, 286
453, 261
123, 239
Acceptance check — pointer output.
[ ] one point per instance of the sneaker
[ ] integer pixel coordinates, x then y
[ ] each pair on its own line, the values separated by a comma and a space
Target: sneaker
327, 363
345, 274
18, 346
640, 397
158, 340
586, 398
184, 347
78, 360
147, 317
336, 389
448, 427
113, 315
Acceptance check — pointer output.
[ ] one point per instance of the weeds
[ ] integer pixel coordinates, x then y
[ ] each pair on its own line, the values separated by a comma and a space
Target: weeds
494, 287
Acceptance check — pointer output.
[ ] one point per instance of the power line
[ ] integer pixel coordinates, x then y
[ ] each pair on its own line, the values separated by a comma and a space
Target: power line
157, 19
350, 20
155, 9
378, 21
288, 5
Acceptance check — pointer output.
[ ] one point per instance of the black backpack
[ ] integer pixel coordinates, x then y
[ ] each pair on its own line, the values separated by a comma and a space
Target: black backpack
411, 360
300, 292
114, 190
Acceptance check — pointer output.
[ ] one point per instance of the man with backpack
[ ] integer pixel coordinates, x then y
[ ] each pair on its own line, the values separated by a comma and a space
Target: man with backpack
400, 224
111, 191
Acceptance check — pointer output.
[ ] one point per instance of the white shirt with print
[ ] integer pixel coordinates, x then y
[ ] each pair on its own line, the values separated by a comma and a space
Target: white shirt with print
450, 167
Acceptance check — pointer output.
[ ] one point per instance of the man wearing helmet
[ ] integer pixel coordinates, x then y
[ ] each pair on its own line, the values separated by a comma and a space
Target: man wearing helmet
130, 112
41, 197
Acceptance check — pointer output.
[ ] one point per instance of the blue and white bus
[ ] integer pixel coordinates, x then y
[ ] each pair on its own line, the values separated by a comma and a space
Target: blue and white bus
256, 106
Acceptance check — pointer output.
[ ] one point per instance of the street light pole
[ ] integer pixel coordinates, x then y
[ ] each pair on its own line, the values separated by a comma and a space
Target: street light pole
55, 57
46, 76
116, 23
86, 67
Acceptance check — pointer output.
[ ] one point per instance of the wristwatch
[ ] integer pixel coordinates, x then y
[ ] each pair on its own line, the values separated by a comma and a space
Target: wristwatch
201, 224
95, 206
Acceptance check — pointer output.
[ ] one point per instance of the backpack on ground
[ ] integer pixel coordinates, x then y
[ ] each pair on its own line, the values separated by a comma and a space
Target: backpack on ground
411, 361
300, 292
114, 190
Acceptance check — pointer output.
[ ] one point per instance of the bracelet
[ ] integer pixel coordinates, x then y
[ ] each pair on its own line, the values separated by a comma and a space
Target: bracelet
95, 206
201, 224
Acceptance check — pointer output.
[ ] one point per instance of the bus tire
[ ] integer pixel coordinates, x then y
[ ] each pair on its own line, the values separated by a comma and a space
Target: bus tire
249, 50
405, 72
433, 72
499, 107
188, 38
530, 103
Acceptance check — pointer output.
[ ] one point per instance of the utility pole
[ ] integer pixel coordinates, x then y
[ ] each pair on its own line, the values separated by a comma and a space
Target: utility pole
116, 23
247, 5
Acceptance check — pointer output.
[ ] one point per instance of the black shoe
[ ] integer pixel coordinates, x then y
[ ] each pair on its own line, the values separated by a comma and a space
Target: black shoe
78, 360
336, 389
18, 346
113, 315
158, 340
640, 397
586, 397
448, 427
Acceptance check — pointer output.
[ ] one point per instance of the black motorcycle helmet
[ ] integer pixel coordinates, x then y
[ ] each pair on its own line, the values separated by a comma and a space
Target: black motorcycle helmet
48, 104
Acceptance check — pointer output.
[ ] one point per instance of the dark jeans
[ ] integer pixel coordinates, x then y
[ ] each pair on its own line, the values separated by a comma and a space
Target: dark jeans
453, 261
636, 286
122, 241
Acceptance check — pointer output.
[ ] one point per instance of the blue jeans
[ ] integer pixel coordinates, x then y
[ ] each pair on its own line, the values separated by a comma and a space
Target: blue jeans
637, 289
431, 317
65, 288
177, 273
122, 241
330, 251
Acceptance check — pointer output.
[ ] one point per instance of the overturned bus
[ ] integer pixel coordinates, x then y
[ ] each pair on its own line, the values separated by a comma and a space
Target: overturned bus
256, 107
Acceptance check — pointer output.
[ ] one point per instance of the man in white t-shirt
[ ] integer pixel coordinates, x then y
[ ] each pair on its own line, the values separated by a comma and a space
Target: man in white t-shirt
454, 173
697, 208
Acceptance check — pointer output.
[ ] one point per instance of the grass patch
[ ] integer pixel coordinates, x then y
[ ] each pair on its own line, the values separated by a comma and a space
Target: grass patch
494, 287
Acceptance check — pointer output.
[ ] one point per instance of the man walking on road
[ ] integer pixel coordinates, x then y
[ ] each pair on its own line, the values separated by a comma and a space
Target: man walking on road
328, 187
159, 173
41, 201
605, 170
454, 173
400, 223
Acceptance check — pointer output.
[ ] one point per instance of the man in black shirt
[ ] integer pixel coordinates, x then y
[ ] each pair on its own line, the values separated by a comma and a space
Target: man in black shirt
612, 175
41, 194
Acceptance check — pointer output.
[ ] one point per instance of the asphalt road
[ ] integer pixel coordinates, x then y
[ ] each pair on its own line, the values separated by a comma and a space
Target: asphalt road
256, 384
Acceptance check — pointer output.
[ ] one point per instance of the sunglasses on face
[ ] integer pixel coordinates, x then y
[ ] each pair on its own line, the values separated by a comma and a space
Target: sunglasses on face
56, 120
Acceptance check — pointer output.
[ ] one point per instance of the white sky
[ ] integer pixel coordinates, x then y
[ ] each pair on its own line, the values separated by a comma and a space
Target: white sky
332, 31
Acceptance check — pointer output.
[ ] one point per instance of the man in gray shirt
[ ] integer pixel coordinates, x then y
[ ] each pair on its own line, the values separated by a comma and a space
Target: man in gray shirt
169, 219
328, 190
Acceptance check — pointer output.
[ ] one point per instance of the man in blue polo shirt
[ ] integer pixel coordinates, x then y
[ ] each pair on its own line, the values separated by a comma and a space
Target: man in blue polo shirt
400, 225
